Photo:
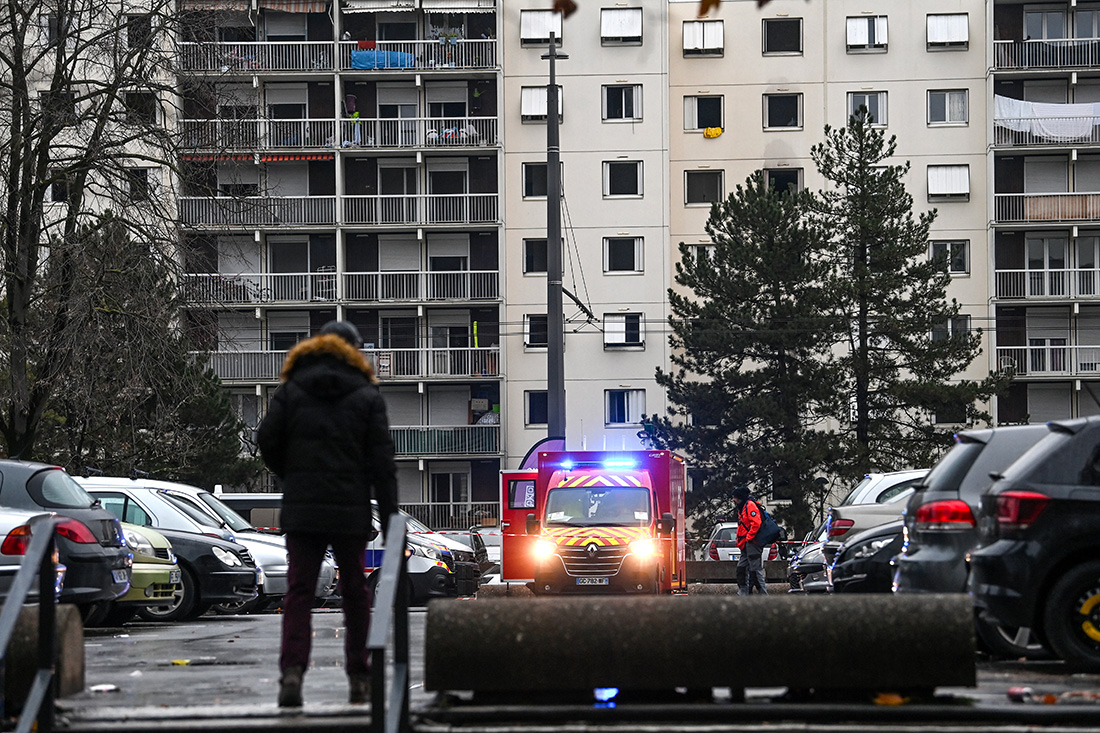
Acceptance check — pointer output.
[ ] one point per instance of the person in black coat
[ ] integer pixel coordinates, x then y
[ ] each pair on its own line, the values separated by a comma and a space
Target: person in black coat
326, 437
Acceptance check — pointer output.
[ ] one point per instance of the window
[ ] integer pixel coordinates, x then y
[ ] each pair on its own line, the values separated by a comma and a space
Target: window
954, 254
949, 32
535, 27
533, 104
59, 188
141, 108
782, 36
867, 33
1046, 25
621, 26
534, 256
702, 112
875, 102
950, 415
623, 254
534, 180
535, 408
137, 184
782, 111
784, 180
60, 107
947, 328
702, 187
535, 331
703, 37
623, 329
622, 102
949, 183
139, 31
624, 406
948, 107
622, 178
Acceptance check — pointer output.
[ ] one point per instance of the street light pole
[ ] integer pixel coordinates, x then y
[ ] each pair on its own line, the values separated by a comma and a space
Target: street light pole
555, 319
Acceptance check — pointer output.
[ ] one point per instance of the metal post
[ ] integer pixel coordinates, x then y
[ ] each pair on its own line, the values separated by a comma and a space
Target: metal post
555, 320
47, 631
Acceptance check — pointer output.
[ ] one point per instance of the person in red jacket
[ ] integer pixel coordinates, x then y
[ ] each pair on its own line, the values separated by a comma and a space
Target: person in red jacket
750, 565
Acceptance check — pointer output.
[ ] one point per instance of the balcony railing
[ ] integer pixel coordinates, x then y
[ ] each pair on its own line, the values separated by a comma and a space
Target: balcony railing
452, 362
442, 440
270, 287
454, 515
1049, 360
418, 209
258, 134
267, 287
251, 57
1043, 131
425, 55
1046, 54
257, 210
1045, 284
418, 132
464, 285
1045, 207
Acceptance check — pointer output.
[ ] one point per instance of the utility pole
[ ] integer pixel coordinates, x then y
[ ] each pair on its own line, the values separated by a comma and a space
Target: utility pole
555, 319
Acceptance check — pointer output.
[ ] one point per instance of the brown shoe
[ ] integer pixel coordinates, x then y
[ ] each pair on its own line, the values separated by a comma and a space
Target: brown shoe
290, 688
359, 688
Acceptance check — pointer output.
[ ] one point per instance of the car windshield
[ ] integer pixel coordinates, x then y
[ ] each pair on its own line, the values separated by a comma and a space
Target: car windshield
198, 515
415, 525
236, 522
725, 533
55, 489
598, 506
950, 471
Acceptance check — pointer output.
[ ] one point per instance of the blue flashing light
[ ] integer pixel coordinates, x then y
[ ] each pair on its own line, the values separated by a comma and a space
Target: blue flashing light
619, 463
567, 464
605, 694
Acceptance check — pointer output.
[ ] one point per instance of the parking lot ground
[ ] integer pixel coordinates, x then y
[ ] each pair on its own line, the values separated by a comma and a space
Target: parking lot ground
220, 673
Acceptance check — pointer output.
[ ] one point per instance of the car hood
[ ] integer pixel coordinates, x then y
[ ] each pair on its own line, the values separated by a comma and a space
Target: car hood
441, 539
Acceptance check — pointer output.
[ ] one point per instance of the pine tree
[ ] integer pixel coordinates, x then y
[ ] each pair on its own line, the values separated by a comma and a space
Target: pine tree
750, 339
903, 343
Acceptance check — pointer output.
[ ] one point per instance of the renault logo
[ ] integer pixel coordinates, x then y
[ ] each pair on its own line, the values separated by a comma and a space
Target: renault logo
592, 550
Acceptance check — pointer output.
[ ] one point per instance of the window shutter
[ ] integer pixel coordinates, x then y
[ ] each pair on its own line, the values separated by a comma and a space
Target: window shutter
614, 330
857, 32
693, 35
880, 31
713, 34
533, 102
949, 180
949, 29
621, 24
535, 25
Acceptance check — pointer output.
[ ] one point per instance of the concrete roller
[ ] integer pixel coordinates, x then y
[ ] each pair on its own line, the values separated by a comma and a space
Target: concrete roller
577, 644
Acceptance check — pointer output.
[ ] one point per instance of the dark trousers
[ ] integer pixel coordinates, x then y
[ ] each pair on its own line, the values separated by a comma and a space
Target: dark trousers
305, 552
750, 571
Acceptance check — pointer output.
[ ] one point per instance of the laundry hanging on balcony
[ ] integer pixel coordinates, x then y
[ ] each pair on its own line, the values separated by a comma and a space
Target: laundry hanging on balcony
1061, 122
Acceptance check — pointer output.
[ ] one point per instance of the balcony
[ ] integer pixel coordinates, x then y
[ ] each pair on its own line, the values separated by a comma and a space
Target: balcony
441, 363
258, 134
1013, 208
251, 211
1048, 360
1048, 284
421, 209
458, 440
253, 57
425, 55
299, 287
454, 515
1046, 54
419, 132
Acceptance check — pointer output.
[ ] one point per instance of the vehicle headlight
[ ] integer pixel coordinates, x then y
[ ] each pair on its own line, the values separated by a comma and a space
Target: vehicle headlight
867, 549
544, 549
227, 558
643, 548
424, 551
139, 542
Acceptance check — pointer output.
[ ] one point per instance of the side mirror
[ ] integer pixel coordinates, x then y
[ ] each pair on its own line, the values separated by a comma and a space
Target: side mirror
532, 524
666, 524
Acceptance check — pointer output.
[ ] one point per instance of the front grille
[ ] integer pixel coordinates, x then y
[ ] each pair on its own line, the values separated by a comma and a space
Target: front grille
162, 553
604, 561
463, 556
246, 556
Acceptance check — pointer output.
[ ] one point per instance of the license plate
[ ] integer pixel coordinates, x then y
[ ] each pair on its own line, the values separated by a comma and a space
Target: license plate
173, 576
119, 576
592, 581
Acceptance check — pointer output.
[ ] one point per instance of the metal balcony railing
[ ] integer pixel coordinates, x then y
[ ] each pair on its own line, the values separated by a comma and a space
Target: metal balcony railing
257, 210
418, 132
448, 362
258, 134
1046, 284
1046, 131
1049, 360
270, 287
252, 57
446, 440
1046, 54
414, 285
424, 55
1045, 207
267, 287
419, 209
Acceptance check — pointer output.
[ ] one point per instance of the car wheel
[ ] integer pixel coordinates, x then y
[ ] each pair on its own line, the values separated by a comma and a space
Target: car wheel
231, 608
180, 605
1008, 642
372, 586
1071, 617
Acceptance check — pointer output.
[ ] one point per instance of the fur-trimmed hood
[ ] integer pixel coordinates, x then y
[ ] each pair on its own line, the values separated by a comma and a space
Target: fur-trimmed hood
326, 345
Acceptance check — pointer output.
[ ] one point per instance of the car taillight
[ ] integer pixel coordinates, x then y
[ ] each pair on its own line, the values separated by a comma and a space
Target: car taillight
713, 551
17, 540
838, 527
75, 531
773, 553
944, 515
1018, 509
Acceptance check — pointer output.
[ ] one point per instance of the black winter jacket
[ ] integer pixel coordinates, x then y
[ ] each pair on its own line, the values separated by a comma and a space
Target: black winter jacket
327, 438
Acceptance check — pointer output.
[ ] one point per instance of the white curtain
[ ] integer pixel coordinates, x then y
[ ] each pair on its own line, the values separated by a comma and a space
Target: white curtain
713, 34
703, 34
621, 23
859, 30
948, 180
954, 28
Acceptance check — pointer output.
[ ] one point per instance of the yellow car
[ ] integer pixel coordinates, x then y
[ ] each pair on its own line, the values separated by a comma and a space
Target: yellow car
156, 576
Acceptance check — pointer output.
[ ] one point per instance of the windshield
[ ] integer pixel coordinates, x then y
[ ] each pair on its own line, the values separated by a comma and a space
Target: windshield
236, 522
55, 489
950, 471
598, 506
851, 497
192, 511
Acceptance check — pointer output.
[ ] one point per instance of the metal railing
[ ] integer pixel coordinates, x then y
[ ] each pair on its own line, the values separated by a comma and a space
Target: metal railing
1046, 54
1040, 131
412, 285
38, 709
1042, 207
251, 57
257, 210
423, 55
391, 609
1043, 284
259, 133
418, 132
422, 208
410, 363
1052, 360
427, 440
453, 515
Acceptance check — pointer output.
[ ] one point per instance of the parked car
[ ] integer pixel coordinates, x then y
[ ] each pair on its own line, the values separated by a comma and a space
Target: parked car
169, 505
848, 520
862, 563
806, 569
1038, 563
98, 562
941, 525
722, 545
877, 488
16, 530
156, 577
212, 571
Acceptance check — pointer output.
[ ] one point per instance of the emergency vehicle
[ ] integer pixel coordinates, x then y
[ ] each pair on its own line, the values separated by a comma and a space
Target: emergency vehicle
595, 522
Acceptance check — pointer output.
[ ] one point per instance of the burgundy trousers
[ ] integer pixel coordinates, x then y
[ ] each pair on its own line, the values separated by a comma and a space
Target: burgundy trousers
305, 553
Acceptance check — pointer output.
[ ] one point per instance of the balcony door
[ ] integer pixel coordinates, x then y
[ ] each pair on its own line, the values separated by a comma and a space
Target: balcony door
398, 355
448, 266
398, 186
397, 111
1047, 340
1088, 265
1046, 25
450, 344
449, 486
448, 184
1047, 266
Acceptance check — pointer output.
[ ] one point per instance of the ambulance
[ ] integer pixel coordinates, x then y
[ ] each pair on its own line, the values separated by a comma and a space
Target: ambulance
595, 522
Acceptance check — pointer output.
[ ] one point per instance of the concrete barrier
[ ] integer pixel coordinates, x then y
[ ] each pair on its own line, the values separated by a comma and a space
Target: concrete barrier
571, 645
702, 571
21, 662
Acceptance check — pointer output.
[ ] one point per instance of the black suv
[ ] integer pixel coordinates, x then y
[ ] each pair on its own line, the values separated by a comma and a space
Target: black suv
941, 523
1038, 564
